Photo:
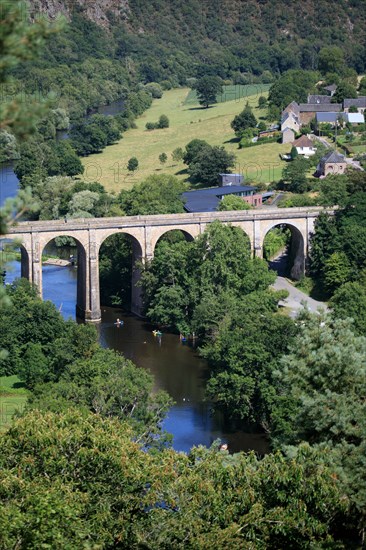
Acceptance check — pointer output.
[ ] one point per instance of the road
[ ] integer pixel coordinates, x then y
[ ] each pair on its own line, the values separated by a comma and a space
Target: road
297, 298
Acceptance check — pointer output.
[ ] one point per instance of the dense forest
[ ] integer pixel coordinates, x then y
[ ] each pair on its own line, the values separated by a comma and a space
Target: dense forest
174, 40
100, 54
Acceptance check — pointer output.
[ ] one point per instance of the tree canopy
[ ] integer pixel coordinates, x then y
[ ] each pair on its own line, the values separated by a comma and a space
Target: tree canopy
243, 121
324, 380
206, 162
158, 194
92, 485
208, 88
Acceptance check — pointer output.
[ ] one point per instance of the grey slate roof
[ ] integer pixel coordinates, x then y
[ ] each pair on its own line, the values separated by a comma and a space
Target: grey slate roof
207, 200
292, 107
355, 118
319, 108
290, 115
328, 117
231, 179
357, 102
319, 99
331, 88
333, 157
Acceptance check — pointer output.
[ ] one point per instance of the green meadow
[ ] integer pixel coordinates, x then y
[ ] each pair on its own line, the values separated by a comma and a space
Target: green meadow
235, 92
187, 121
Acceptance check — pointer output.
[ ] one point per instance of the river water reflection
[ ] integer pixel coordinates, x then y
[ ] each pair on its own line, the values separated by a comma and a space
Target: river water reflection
176, 367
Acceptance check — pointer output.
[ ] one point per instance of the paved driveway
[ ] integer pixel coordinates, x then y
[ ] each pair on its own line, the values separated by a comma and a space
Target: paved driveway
296, 298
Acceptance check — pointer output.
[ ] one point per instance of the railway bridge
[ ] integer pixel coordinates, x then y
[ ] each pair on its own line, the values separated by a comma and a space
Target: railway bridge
144, 233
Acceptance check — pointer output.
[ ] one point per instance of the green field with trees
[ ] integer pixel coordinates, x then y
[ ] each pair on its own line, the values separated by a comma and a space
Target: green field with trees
186, 122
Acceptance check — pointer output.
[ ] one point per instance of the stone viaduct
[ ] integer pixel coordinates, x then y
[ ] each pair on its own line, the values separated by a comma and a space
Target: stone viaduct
144, 232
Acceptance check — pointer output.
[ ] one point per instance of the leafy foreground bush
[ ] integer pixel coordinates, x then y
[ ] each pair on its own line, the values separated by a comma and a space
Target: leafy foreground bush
75, 481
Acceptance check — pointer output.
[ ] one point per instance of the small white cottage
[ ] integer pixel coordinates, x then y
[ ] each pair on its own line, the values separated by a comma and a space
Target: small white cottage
304, 146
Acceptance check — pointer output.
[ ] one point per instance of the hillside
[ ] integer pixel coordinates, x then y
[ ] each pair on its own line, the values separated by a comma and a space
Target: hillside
173, 40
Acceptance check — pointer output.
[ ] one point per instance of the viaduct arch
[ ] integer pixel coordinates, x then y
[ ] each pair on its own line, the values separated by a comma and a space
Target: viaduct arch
145, 231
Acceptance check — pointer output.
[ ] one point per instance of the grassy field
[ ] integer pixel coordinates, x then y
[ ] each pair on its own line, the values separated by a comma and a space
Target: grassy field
233, 93
187, 121
354, 147
13, 397
359, 148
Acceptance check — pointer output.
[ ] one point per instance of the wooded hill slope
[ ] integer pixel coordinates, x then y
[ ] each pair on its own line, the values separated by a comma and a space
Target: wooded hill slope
173, 40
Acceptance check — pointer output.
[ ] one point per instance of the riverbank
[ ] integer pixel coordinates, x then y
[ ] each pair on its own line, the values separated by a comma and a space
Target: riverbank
57, 262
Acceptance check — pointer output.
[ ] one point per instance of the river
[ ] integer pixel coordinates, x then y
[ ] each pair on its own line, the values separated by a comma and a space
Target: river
176, 367
8, 179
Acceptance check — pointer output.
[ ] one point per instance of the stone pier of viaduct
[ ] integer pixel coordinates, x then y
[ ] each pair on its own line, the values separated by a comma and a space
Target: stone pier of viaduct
144, 232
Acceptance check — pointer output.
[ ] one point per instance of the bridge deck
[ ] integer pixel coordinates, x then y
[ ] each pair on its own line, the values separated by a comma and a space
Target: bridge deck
168, 219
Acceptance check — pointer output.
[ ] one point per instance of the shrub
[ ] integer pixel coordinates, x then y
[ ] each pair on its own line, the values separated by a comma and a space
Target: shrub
163, 122
151, 125
154, 89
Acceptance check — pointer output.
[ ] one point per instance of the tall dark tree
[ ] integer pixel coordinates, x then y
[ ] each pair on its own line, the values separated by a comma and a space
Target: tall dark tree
132, 164
209, 163
244, 120
192, 149
158, 194
293, 85
324, 377
294, 175
20, 42
208, 88
344, 90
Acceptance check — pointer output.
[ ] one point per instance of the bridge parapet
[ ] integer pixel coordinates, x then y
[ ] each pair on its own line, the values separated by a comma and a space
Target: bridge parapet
167, 219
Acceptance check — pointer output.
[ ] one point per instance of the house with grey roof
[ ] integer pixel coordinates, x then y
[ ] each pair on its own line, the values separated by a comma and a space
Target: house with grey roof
290, 120
319, 99
331, 90
293, 108
354, 118
231, 179
208, 200
329, 118
340, 118
358, 102
319, 107
309, 110
332, 163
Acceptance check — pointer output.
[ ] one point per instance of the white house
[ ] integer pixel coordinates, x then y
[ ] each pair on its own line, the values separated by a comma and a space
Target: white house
304, 146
